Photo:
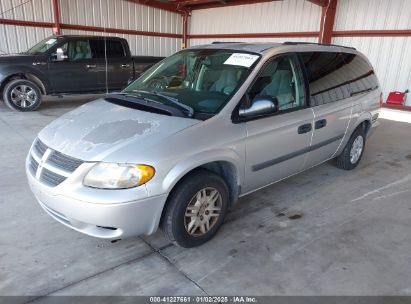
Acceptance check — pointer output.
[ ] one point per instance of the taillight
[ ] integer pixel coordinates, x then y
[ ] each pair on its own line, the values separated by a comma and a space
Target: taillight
381, 101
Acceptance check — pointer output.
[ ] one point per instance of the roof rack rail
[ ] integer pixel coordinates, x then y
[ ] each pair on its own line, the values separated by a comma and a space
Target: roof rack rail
222, 42
314, 43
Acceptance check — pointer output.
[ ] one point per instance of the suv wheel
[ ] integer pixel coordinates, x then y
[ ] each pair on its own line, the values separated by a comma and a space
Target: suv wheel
195, 209
353, 151
22, 95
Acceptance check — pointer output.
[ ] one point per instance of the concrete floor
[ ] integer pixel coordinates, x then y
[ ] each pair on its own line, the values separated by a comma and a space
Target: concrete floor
323, 232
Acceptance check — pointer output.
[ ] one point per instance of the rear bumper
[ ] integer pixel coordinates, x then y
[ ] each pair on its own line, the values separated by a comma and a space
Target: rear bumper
102, 220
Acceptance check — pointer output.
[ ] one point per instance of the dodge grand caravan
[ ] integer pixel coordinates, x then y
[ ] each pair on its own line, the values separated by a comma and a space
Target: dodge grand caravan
209, 124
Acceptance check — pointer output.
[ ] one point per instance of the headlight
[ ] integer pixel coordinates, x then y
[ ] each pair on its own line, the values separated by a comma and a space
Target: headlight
118, 176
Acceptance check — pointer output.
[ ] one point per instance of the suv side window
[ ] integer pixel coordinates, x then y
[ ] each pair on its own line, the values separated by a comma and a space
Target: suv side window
328, 76
114, 48
77, 50
280, 78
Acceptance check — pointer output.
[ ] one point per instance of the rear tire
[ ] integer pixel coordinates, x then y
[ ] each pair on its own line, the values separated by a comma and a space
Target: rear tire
353, 151
22, 95
195, 209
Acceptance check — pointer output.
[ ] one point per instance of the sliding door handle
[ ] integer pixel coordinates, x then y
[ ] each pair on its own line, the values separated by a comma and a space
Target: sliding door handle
90, 66
320, 123
305, 128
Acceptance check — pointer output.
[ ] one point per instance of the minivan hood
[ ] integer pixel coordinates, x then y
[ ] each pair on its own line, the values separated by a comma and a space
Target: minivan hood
99, 129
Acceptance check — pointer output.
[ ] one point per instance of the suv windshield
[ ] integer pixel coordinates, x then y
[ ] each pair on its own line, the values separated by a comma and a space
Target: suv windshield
43, 46
202, 80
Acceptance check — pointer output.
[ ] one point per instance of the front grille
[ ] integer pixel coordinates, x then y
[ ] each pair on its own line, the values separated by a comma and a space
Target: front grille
64, 162
50, 178
55, 166
40, 147
33, 165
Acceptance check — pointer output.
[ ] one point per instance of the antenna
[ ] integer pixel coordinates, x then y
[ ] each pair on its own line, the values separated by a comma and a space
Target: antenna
105, 48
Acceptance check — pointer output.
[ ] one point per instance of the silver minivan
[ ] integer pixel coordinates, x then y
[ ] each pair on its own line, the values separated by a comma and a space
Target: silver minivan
209, 124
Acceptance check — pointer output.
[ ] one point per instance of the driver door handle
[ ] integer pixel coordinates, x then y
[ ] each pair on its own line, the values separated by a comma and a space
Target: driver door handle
125, 66
90, 66
305, 128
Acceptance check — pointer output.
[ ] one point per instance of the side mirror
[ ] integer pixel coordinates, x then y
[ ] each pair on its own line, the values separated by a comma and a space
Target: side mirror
261, 105
59, 55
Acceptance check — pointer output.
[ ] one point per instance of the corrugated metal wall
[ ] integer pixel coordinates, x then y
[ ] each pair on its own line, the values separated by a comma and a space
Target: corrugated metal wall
15, 39
99, 13
18, 38
35, 10
269, 17
390, 56
125, 15
201, 41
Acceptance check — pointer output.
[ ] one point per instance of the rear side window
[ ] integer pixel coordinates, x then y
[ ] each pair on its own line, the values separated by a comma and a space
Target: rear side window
113, 48
328, 75
363, 78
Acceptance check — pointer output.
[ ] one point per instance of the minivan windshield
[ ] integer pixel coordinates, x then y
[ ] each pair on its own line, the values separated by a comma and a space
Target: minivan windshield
43, 46
201, 81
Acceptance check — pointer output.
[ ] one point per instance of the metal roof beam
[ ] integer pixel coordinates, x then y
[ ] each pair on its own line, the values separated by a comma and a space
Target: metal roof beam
319, 2
161, 5
228, 3
327, 22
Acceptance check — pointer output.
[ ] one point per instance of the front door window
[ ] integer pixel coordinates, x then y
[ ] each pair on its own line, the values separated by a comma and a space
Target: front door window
280, 78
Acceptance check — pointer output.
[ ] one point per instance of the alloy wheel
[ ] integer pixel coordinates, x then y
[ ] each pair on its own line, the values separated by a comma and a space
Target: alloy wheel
356, 149
203, 211
23, 96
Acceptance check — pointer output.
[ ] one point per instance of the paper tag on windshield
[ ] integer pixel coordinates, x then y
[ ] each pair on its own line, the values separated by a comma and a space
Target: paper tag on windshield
241, 59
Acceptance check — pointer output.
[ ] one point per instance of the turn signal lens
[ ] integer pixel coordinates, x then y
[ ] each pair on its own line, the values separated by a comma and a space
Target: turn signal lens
146, 173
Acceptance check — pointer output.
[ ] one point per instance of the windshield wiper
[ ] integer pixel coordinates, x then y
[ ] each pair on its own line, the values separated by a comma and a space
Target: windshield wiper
137, 96
189, 109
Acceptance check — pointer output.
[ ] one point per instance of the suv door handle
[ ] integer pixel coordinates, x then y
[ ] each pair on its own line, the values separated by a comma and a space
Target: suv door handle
90, 66
125, 66
320, 123
305, 128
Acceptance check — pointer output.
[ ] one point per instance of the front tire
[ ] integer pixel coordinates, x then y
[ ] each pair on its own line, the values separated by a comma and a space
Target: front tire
353, 151
22, 95
195, 209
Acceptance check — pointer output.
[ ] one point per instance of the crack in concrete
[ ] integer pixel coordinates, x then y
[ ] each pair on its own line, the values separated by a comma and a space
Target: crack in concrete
174, 265
387, 186
37, 298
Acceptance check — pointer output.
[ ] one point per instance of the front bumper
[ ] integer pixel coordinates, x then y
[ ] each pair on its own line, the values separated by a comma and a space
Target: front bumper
103, 220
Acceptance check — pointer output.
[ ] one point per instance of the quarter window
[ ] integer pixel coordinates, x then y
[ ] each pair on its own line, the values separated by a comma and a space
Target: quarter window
280, 78
328, 76
363, 78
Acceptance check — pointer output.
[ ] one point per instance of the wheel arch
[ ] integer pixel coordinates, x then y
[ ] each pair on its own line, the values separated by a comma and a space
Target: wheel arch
43, 86
364, 121
227, 166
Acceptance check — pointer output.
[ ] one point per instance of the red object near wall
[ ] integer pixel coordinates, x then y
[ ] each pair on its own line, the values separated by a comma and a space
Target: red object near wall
396, 98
